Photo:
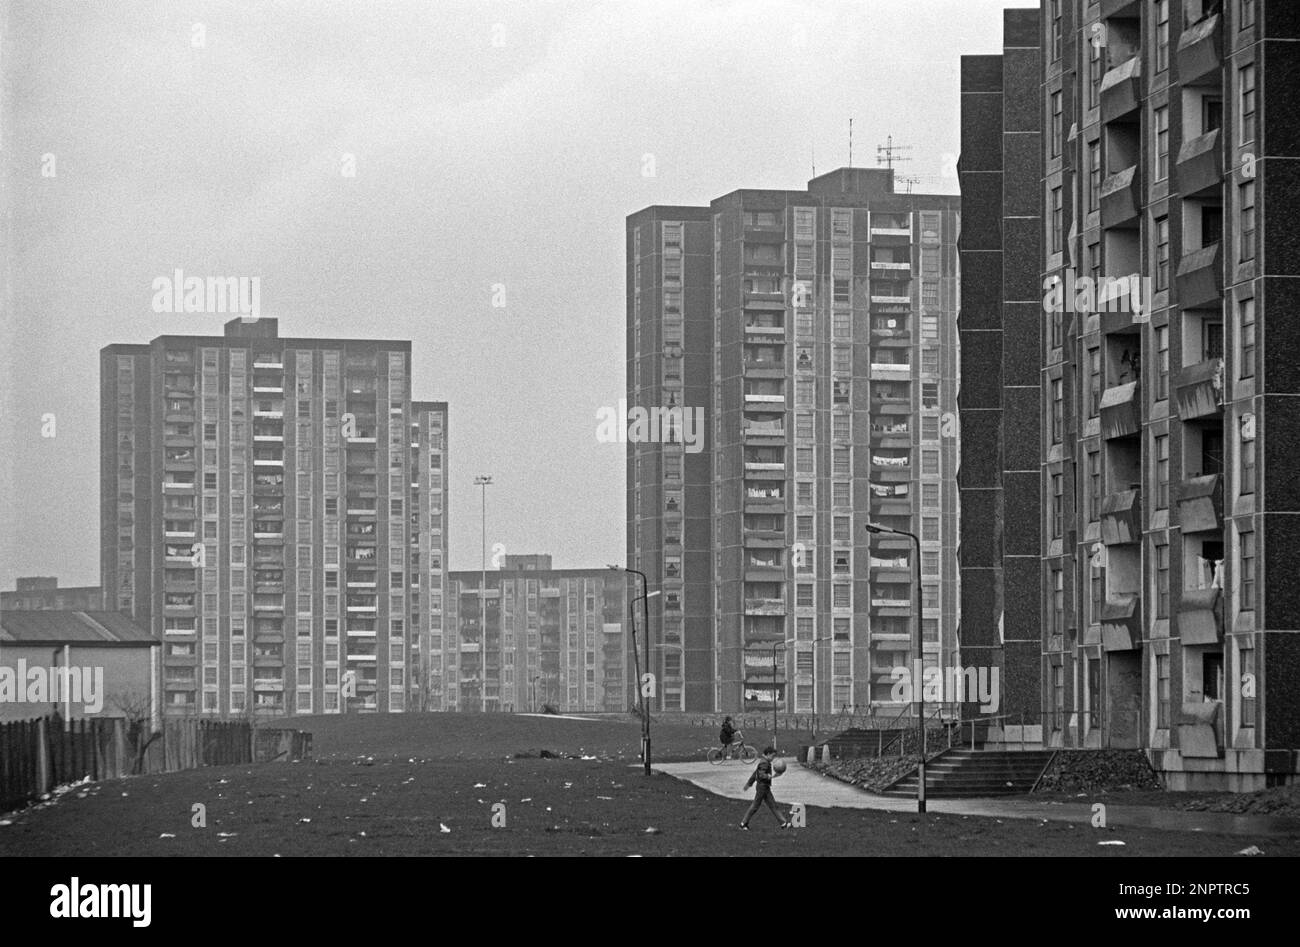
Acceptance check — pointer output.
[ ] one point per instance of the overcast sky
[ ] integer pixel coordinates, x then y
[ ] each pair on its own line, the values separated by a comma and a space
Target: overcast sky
494, 143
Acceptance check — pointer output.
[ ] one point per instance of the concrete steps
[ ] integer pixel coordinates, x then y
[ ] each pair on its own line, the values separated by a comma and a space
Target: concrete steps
959, 773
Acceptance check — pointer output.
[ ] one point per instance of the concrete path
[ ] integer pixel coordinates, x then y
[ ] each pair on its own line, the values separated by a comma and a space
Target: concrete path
802, 785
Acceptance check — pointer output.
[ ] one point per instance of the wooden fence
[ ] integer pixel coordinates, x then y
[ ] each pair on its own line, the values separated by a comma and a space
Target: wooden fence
38, 755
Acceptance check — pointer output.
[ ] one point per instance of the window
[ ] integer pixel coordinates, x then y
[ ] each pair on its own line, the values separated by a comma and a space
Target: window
1162, 362
930, 496
1058, 409
803, 528
1162, 254
1246, 480
1247, 598
1162, 471
929, 428
1057, 219
1058, 503
929, 563
1246, 19
1246, 310
1247, 204
930, 361
1056, 30
1094, 382
1094, 73
1162, 142
840, 595
929, 394
1098, 592
803, 595
1057, 118
1162, 580
1094, 175
1162, 35
1058, 604
1247, 667
840, 493
803, 426
1162, 691
930, 463
930, 529
1246, 82
1094, 485
840, 426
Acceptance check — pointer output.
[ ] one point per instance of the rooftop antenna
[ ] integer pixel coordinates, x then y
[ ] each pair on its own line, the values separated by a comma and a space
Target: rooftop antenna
850, 142
888, 153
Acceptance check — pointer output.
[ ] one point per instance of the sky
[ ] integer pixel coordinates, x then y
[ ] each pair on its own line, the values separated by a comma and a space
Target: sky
497, 149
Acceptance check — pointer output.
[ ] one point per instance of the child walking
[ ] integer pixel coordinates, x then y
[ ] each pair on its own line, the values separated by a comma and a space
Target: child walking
761, 779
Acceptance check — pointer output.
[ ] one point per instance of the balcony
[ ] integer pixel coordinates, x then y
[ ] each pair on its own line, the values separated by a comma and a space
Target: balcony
1200, 617
764, 429
1120, 90
273, 413
1198, 390
759, 329
898, 436
1121, 198
1200, 503
1200, 51
1121, 624
1200, 277
885, 267
1121, 518
764, 606
888, 294
764, 398
891, 235
1121, 411
891, 371
1200, 164
891, 607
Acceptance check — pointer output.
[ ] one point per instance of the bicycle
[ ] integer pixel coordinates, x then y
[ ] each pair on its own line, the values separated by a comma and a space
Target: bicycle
738, 749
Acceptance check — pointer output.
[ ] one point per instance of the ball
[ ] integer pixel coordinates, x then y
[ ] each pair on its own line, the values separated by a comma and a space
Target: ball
778, 766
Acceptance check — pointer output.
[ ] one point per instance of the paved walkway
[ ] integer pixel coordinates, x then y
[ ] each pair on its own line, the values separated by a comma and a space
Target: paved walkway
801, 785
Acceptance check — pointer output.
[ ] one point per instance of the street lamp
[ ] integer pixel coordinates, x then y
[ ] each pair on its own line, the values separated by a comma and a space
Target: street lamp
815, 643
918, 690
644, 599
483, 482
782, 644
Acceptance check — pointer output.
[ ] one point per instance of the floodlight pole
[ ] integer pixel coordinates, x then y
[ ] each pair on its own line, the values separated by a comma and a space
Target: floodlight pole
918, 667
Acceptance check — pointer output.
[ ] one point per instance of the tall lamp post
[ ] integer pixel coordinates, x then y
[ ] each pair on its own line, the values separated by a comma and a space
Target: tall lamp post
644, 598
483, 482
782, 644
918, 668
815, 643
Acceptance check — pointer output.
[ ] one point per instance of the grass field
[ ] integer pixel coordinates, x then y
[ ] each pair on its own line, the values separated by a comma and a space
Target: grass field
389, 785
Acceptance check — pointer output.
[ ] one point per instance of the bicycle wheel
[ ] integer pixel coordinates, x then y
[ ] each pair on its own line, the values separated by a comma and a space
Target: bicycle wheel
748, 753
714, 755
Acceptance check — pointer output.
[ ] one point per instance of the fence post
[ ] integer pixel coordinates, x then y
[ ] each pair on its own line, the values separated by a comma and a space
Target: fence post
42, 759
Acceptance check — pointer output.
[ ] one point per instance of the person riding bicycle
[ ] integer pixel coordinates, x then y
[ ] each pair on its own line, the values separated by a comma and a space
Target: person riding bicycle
727, 734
